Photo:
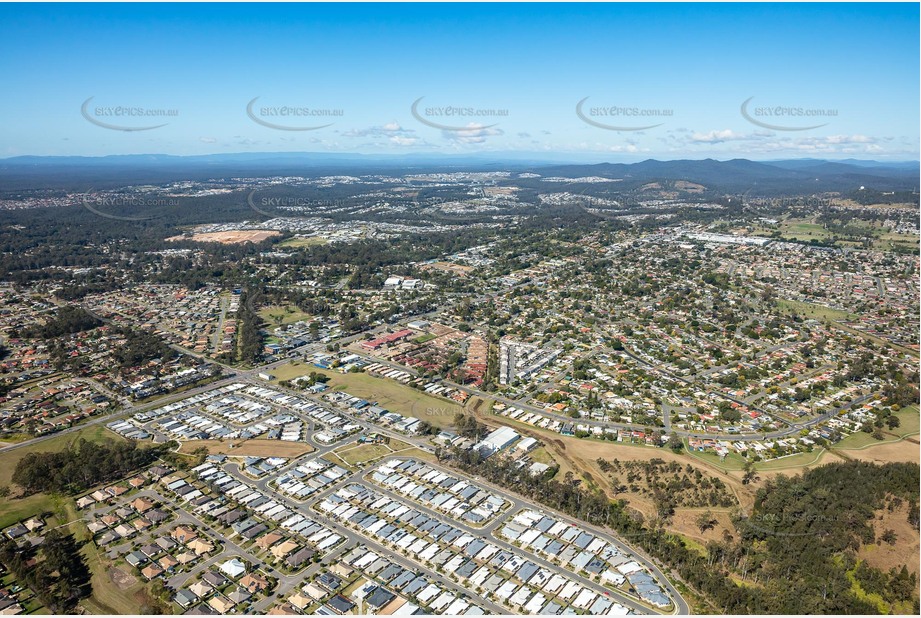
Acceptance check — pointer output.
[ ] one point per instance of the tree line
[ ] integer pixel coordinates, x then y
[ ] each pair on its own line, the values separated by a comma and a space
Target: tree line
81, 466
66, 321
55, 571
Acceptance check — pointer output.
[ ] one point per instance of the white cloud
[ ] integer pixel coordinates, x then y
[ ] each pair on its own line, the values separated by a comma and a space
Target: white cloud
400, 140
724, 135
474, 134
388, 130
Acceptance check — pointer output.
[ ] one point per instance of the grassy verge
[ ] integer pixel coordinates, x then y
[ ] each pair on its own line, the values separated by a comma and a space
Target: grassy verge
799, 460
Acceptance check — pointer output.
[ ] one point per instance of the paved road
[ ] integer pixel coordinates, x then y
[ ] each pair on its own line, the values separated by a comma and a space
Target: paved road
235, 374
519, 502
516, 505
159, 402
248, 376
352, 537
790, 430
287, 582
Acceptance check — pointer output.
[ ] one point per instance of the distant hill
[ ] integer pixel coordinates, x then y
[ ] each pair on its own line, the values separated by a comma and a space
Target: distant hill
761, 177
736, 175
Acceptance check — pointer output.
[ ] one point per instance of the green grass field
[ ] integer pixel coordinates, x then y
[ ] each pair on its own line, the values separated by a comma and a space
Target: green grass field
540, 455
108, 597
859, 439
16, 509
276, 315
795, 229
800, 229
298, 243
811, 310
294, 369
363, 453
910, 422
418, 453
388, 393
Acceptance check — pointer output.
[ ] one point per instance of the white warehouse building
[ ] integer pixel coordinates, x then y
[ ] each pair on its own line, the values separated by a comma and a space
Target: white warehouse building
498, 440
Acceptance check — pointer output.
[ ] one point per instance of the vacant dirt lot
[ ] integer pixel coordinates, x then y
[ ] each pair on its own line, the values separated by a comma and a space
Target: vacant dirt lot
579, 456
354, 455
230, 238
685, 522
249, 448
121, 579
905, 450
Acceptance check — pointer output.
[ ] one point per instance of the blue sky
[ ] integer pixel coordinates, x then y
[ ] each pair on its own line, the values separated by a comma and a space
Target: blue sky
852, 68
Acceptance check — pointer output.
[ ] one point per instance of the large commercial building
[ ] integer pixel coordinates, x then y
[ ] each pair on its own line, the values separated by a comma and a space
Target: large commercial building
497, 440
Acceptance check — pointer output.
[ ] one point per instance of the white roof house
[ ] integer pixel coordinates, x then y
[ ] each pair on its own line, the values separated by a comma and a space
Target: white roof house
233, 568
